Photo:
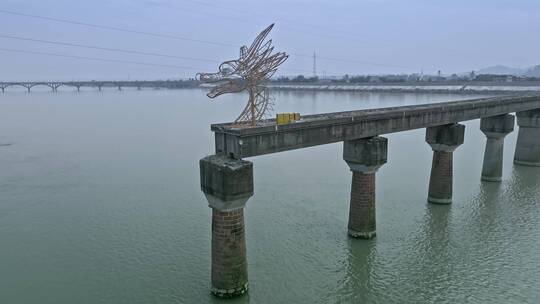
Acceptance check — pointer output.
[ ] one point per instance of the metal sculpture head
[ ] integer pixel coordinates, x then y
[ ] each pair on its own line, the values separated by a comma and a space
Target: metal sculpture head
250, 72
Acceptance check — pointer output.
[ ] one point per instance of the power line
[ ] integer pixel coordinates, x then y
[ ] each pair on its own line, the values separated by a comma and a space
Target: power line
99, 59
105, 48
350, 37
118, 29
117, 60
281, 19
120, 50
353, 61
105, 27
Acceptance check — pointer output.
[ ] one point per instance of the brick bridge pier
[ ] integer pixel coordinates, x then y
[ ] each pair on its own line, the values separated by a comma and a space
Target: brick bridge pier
227, 179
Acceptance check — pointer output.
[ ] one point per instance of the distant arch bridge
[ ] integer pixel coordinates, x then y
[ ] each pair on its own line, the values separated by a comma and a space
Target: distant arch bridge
54, 85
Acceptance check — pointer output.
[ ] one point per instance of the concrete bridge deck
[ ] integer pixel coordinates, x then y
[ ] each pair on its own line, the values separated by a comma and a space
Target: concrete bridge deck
312, 130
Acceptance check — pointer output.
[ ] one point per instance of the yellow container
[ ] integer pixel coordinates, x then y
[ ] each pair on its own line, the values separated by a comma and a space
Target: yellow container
285, 118
280, 119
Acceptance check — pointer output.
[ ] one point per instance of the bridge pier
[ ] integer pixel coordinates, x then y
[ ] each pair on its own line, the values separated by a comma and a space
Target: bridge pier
443, 140
227, 184
528, 142
364, 157
495, 128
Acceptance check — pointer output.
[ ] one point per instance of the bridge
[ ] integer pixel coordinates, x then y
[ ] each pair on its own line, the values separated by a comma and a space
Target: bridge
227, 180
54, 85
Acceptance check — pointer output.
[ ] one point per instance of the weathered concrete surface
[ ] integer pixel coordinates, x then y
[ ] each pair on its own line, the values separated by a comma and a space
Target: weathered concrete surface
495, 128
322, 129
227, 184
443, 140
528, 142
364, 157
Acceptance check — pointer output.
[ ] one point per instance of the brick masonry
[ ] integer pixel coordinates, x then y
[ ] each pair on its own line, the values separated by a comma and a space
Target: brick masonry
362, 208
229, 265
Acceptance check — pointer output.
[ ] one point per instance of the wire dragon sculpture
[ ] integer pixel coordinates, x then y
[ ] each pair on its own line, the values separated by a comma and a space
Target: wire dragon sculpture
250, 73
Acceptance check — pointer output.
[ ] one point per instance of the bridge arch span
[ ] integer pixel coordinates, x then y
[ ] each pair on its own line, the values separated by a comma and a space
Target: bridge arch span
46, 84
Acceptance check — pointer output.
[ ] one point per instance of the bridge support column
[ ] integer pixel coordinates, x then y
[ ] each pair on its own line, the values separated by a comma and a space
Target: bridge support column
364, 157
495, 128
227, 184
528, 142
443, 140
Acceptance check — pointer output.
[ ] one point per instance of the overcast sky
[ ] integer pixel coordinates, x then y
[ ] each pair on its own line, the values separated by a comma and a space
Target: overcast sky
371, 36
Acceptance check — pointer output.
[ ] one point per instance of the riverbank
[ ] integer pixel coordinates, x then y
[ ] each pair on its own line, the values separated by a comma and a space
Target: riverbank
408, 88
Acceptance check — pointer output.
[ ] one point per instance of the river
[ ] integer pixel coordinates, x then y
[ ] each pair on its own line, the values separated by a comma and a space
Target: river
100, 203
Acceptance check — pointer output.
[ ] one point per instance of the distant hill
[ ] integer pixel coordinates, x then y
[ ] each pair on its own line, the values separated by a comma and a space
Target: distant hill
533, 71
502, 70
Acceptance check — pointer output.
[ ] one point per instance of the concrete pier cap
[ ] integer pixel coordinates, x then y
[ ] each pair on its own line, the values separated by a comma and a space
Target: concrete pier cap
366, 154
446, 137
227, 183
528, 142
443, 140
497, 126
364, 157
529, 118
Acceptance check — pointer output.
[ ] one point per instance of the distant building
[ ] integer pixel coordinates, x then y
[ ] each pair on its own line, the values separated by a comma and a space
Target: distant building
374, 79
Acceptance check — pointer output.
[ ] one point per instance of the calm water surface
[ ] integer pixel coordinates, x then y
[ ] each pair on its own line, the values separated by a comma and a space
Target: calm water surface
100, 203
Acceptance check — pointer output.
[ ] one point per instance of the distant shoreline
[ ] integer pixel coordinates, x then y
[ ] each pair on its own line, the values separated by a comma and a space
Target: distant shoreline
483, 88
